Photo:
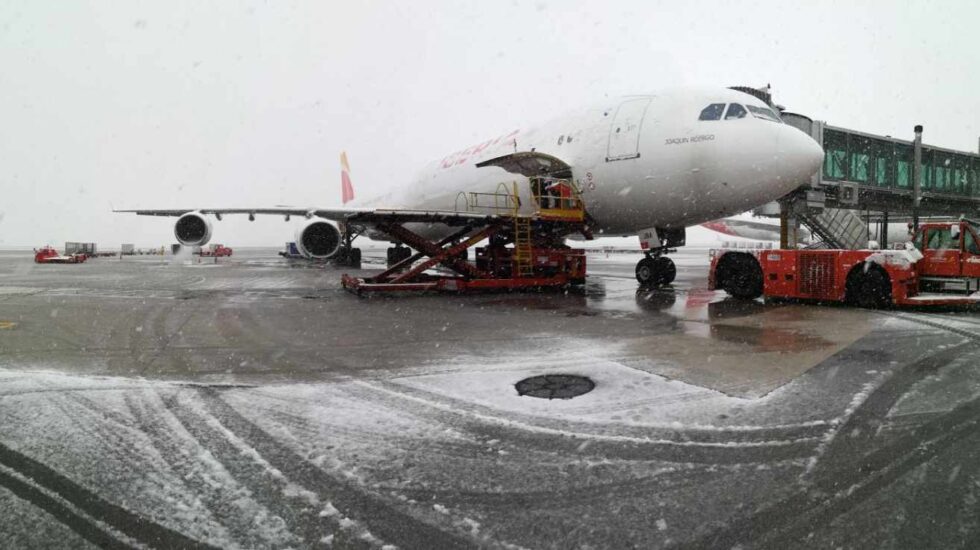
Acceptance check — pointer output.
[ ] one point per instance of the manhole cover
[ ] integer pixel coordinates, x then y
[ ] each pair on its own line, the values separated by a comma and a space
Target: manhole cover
555, 386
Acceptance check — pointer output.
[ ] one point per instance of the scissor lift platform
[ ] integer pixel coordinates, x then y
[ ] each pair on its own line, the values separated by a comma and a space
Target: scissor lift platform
524, 251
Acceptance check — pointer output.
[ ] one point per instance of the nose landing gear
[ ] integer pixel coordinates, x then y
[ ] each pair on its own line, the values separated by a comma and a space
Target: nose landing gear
655, 270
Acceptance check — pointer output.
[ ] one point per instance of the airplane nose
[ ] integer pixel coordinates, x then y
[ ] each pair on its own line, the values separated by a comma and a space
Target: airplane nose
814, 155
802, 154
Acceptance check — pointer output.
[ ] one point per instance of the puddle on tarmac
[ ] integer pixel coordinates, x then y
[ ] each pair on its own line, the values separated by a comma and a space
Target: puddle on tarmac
760, 338
697, 305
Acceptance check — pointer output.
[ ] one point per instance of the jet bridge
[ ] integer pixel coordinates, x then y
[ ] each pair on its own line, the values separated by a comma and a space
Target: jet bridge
866, 176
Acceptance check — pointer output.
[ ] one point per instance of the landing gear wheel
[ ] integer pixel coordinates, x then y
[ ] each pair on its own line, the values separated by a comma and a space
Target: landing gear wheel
349, 257
869, 289
668, 271
655, 271
354, 258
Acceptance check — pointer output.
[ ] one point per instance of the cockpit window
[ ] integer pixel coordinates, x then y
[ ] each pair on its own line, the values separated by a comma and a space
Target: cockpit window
735, 111
762, 112
712, 112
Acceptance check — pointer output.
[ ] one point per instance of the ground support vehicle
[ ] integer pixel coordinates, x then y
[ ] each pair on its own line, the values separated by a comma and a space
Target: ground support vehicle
940, 267
215, 250
523, 251
291, 252
48, 255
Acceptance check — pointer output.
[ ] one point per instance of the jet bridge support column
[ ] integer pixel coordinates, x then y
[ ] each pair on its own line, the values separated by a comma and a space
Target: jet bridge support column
789, 225
883, 232
917, 177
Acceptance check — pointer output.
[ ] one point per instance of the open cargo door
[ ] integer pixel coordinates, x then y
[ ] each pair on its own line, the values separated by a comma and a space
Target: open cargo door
531, 164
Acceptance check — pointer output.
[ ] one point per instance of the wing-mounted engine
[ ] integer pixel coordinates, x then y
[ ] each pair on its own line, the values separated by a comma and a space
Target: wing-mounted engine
318, 239
192, 229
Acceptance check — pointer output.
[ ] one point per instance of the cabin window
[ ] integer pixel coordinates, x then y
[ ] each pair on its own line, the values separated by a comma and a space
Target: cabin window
972, 246
735, 111
763, 113
712, 112
919, 239
941, 239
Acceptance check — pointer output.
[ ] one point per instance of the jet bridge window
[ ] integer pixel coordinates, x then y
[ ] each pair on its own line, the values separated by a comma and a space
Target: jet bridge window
763, 113
735, 111
712, 112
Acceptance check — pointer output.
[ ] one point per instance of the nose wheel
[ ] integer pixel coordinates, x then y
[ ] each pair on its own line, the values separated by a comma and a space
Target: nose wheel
655, 271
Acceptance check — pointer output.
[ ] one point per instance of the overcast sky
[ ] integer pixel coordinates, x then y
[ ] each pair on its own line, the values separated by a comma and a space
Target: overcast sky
192, 104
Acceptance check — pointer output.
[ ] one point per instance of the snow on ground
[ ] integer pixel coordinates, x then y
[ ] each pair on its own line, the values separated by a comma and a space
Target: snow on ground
446, 443
115, 437
621, 393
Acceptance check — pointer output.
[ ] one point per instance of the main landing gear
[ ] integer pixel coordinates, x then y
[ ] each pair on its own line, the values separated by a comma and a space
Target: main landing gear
655, 269
347, 255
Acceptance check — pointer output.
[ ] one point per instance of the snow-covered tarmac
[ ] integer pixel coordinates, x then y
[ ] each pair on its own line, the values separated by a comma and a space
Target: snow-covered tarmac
252, 403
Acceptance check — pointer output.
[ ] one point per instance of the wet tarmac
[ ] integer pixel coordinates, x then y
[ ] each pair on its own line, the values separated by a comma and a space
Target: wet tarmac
253, 403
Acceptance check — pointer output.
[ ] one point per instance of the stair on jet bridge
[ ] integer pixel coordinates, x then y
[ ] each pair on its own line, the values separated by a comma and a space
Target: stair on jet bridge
838, 228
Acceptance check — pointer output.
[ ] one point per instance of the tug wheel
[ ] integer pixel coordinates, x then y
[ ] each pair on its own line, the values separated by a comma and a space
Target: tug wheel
740, 275
869, 287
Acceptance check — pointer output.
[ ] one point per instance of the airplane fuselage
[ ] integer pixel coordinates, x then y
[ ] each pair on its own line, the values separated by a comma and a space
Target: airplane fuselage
640, 161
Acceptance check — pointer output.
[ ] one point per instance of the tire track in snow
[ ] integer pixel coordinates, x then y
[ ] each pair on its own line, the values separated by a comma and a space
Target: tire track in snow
853, 469
660, 484
102, 424
82, 525
936, 322
390, 524
793, 518
250, 469
943, 507
305, 428
858, 432
136, 526
683, 434
227, 501
473, 448
548, 435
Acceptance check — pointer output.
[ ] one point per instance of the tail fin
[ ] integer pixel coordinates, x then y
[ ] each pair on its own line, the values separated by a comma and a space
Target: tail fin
346, 188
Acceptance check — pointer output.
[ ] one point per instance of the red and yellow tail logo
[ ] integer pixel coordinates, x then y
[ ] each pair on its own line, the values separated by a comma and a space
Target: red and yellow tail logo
346, 188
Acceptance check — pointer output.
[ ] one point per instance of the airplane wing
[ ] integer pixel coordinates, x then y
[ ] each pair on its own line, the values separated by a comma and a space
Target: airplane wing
367, 216
331, 213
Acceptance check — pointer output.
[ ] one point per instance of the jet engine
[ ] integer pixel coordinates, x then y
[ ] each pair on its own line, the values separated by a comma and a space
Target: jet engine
318, 239
192, 229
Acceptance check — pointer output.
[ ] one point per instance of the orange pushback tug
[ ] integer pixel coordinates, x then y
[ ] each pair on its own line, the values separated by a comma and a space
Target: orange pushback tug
524, 251
941, 267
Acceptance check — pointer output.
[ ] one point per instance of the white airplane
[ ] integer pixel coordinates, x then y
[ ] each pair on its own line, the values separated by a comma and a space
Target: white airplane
647, 165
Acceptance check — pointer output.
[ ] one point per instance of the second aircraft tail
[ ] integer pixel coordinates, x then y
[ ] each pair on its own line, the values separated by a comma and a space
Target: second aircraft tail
346, 187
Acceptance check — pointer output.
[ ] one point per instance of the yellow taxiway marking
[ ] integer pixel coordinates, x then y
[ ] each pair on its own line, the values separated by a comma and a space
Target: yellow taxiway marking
7, 325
